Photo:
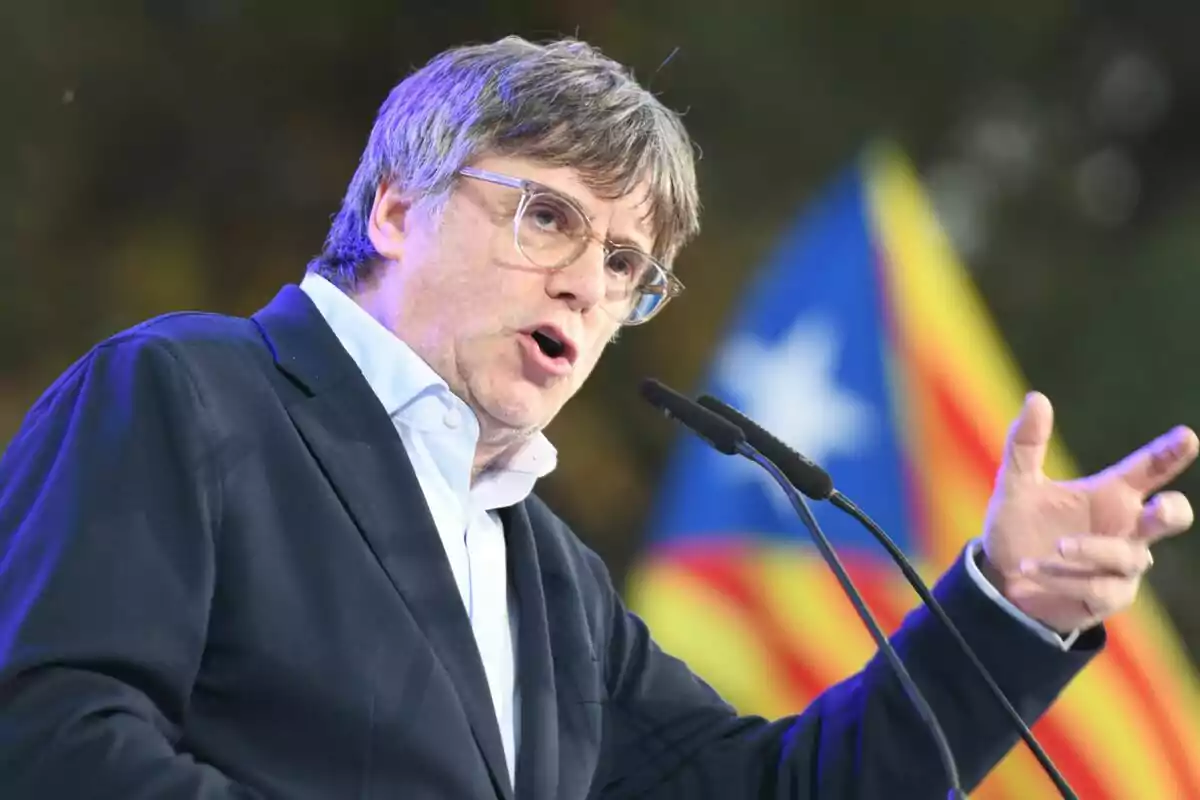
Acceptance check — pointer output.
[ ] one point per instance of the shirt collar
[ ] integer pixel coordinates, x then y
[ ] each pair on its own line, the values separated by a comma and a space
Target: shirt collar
399, 377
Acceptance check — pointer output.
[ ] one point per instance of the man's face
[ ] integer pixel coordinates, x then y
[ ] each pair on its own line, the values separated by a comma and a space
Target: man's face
471, 305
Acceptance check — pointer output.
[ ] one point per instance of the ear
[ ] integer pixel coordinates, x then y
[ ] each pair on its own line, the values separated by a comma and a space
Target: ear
386, 225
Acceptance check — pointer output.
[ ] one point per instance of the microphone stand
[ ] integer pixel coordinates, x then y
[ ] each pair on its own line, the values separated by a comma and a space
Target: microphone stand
730, 439
827, 552
814, 482
848, 506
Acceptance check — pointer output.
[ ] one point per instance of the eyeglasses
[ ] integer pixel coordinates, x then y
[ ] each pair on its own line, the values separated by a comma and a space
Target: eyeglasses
551, 231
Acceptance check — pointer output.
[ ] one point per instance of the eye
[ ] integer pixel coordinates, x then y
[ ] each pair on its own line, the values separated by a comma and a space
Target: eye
620, 263
630, 264
547, 216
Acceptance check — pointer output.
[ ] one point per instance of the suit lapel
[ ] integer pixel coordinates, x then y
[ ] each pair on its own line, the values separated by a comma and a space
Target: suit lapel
537, 758
351, 436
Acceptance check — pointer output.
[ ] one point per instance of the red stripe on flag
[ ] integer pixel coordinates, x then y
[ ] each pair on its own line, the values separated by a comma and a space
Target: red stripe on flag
1066, 755
984, 467
976, 454
875, 586
928, 375
1166, 743
983, 464
874, 582
725, 570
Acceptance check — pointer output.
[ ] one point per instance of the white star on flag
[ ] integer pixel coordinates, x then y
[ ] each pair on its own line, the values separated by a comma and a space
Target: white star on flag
791, 389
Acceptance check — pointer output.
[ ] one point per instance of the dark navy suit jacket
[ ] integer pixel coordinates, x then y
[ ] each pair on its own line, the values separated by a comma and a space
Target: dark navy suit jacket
219, 579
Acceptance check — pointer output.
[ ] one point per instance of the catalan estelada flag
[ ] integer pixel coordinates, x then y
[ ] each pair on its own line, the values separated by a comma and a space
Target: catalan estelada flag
864, 345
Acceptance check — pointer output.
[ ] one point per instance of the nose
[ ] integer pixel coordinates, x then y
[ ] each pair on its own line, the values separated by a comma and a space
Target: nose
582, 284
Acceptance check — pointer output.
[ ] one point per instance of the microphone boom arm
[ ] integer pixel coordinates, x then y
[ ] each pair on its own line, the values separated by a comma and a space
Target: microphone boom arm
885, 647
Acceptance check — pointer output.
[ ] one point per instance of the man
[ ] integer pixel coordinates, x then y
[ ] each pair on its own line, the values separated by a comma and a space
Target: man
297, 556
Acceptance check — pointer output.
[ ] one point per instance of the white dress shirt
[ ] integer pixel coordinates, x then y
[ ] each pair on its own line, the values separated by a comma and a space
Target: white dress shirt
440, 432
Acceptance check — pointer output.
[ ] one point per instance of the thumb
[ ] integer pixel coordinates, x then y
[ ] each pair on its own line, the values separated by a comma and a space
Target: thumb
1029, 438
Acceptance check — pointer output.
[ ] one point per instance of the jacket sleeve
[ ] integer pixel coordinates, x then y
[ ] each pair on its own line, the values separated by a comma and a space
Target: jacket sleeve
108, 509
669, 735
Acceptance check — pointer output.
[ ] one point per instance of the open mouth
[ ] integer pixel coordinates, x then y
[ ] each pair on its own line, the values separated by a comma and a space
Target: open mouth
552, 350
548, 343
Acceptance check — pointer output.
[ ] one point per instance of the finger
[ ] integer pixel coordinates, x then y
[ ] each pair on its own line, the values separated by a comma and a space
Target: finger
1100, 594
1157, 463
1028, 438
1167, 514
1084, 556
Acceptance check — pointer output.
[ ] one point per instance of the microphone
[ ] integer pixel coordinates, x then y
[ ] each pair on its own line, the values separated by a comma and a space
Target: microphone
816, 483
730, 439
724, 436
804, 474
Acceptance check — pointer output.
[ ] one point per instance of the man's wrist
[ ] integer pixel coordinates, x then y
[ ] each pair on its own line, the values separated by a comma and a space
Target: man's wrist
997, 588
993, 576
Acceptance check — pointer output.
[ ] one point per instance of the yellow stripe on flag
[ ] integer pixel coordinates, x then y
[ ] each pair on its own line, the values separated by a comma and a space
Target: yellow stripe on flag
814, 610
688, 617
943, 328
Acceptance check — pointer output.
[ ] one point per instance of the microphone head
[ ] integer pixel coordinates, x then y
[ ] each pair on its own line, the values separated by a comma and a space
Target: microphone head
722, 434
807, 476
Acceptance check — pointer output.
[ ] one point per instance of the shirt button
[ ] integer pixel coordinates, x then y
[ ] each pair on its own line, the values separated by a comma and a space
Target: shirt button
452, 419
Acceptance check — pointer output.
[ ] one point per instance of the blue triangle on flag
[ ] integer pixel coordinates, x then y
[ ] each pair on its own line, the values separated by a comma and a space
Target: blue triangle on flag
807, 357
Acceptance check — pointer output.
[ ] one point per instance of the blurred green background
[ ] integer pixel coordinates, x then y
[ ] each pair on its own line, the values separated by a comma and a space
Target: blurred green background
176, 154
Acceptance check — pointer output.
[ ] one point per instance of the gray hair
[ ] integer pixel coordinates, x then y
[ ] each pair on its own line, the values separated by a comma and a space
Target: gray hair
562, 103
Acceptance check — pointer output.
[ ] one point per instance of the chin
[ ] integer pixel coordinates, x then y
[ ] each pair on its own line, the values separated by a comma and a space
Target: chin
521, 406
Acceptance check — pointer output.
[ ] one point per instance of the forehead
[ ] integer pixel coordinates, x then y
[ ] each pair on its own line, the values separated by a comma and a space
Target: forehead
629, 216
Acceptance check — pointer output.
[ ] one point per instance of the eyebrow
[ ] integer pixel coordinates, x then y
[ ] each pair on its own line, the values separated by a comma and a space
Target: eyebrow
621, 241
627, 242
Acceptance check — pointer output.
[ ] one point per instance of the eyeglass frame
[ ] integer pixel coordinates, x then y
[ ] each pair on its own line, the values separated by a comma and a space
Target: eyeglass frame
672, 286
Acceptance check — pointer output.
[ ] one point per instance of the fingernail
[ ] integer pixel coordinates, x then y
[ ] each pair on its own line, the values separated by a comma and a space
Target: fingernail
1176, 440
1027, 566
1068, 547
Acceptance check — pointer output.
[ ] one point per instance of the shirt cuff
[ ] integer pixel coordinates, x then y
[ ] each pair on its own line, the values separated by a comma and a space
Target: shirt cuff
1049, 635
